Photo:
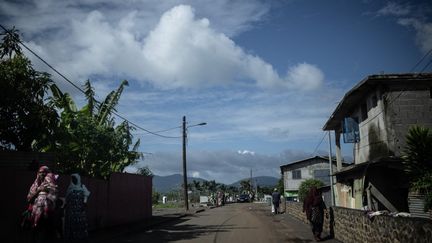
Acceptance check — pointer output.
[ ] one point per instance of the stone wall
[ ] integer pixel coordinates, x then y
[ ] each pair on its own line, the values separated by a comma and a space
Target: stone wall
351, 225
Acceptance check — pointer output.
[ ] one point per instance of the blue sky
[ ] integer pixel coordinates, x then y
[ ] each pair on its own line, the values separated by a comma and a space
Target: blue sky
264, 75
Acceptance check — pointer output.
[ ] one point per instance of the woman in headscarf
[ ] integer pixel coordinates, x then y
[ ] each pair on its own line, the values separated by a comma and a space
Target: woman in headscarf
314, 207
41, 197
75, 214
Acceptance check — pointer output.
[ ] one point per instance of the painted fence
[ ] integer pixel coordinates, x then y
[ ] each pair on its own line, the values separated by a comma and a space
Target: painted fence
124, 198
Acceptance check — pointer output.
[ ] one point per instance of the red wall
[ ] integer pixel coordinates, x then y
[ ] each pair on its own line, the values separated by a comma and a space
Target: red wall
124, 198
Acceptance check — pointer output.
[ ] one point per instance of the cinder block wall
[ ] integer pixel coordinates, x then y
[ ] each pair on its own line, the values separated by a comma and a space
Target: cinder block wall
413, 107
351, 225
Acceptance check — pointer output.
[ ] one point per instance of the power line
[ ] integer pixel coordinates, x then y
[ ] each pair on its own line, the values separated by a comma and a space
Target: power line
316, 148
421, 59
403, 90
395, 98
81, 90
169, 129
424, 68
46, 63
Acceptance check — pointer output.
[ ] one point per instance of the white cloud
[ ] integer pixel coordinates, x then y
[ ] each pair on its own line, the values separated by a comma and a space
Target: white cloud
246, 152
394, 9
412, 19
223, 165
423, 32
181, 51
195, 174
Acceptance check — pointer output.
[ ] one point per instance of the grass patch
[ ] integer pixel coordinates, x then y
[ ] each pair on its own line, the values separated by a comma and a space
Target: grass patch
167, 205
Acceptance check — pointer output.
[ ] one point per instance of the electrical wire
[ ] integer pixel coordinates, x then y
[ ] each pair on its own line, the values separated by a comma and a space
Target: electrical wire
421, 59
82, 91
316, 148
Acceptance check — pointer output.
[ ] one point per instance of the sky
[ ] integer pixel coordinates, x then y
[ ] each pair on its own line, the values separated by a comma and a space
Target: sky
264, 75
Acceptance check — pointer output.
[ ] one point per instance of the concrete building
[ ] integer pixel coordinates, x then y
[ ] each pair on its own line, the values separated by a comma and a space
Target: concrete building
375, 117
296, 172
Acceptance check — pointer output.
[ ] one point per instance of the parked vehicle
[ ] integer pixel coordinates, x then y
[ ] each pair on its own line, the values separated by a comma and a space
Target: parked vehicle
243, 198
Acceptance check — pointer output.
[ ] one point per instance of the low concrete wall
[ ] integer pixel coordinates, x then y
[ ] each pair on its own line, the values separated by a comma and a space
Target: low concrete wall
351, 225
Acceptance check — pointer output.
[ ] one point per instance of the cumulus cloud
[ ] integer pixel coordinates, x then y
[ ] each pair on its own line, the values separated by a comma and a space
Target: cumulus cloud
183, 51
180, 51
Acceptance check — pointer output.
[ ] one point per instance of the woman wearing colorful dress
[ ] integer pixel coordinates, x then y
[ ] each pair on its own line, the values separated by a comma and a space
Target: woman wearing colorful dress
41, 197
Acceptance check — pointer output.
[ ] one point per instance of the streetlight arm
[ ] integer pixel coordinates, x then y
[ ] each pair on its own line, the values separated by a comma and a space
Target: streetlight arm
200, 124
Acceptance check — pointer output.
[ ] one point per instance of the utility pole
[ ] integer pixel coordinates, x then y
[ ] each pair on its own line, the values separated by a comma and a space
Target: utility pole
184, 166
250, 182
331, 170
184, 160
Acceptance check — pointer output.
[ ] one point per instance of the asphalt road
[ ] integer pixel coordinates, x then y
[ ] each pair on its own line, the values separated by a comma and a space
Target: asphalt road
246, 222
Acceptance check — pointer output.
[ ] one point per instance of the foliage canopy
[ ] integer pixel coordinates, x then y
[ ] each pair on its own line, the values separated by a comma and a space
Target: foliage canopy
25, 114
85, 140
417, 159
305, 187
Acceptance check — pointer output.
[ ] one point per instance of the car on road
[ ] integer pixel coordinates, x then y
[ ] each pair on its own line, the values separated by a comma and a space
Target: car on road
243, 198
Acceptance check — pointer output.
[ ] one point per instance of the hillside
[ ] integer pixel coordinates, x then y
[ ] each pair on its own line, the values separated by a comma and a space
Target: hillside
172, 182
165, 184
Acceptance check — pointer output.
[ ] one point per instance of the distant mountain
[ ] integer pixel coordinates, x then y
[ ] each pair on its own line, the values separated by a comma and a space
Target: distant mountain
268, 181
165, 184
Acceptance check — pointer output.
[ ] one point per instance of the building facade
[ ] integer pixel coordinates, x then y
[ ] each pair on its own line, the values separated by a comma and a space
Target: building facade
296, 172
375, 117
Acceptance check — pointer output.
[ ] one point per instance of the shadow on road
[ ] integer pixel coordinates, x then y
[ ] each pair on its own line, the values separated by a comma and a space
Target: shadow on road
173, 230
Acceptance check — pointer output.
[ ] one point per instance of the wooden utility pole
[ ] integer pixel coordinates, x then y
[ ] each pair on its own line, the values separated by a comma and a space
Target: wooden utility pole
184, 165
331, 171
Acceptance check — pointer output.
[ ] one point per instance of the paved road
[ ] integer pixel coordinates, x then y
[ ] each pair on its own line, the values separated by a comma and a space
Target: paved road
246, 222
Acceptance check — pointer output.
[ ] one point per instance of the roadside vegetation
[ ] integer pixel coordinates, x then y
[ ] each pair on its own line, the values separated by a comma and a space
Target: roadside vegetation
38, 116
417, 159
305, 187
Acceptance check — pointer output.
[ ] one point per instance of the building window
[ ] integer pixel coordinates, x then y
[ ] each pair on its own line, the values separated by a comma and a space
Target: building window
364, 111
296, 174
374, 101
323, 175
350, 130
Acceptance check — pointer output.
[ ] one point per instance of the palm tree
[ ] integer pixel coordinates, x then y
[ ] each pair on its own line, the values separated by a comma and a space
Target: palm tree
245, 185
196, 185
417, 159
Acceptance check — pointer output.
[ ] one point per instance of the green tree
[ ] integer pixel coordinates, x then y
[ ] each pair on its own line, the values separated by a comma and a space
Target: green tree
26, 116
145, 171
305, 187
417, 159
156, 196
88, 140
245, 185
280, 186
197, 185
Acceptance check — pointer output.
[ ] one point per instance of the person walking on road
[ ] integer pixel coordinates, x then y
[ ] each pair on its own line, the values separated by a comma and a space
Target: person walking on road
276, 200
314, 207
75, 211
